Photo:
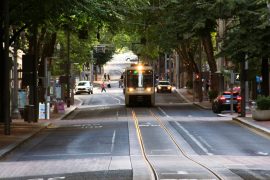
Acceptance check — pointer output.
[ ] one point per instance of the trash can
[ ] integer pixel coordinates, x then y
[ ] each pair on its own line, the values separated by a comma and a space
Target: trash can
29, 113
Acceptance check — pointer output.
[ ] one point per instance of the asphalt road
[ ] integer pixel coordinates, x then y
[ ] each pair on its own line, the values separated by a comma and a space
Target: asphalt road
101, 140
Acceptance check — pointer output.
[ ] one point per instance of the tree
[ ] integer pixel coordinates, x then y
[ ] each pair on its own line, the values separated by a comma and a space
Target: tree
249, 36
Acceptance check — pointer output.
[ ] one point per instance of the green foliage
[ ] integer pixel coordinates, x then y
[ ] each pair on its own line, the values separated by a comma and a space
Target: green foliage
102, 57
263, 103
249, 31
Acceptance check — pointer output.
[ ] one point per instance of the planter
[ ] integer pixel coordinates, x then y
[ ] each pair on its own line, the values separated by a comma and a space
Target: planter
261, 115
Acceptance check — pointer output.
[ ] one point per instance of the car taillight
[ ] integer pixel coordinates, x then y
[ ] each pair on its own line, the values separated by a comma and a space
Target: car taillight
222, 98
238, 98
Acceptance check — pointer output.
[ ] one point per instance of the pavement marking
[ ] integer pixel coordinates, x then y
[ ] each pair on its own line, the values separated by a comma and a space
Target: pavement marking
164, 112
262, 153
119, 101
177, 172
205, 142
53, 178
149, 125
103, 106
56, 178
75, 154
113, 140
193, 139
187, 132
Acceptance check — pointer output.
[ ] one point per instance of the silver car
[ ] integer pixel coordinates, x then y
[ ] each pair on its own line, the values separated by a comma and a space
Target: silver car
84, 87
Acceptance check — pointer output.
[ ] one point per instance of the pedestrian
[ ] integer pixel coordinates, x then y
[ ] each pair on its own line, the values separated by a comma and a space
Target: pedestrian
103, 86
108, 77
207, 86
109, 84
120, 83
105, 76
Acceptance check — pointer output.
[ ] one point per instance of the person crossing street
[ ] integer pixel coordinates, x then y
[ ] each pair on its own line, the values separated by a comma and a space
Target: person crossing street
103, 87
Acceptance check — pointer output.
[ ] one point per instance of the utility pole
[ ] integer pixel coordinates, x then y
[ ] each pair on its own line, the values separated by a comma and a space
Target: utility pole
177, 67
6, 64
243, 93
33, 87
68, 67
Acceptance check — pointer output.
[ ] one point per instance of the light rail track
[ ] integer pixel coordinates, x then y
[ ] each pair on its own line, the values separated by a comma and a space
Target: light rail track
155, 174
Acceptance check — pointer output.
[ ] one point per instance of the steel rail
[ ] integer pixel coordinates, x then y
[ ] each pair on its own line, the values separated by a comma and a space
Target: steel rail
154, 174
181, 150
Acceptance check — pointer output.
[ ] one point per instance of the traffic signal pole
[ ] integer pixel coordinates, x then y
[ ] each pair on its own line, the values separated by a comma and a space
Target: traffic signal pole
243, 91
6, 83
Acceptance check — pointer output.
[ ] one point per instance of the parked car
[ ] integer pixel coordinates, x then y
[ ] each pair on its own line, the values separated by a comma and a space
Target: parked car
223, 102
164, 86
84, 87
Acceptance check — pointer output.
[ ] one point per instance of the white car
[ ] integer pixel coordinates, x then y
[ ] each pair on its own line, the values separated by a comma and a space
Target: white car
84, 87
164, 86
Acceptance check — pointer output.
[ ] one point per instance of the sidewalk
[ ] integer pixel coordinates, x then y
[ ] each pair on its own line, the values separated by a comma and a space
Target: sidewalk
21, 131
262, 126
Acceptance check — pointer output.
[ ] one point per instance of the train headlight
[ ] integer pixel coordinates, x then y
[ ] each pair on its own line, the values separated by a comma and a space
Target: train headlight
148, 89
130, 89
140, 67
169, 87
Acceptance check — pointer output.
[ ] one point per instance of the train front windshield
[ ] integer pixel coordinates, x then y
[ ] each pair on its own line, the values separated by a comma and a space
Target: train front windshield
139, 79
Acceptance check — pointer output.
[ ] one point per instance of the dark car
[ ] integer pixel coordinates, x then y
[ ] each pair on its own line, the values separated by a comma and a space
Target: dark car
164, 86
223, 102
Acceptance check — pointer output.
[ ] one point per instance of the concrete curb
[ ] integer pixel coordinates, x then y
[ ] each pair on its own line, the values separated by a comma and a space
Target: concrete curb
251, 125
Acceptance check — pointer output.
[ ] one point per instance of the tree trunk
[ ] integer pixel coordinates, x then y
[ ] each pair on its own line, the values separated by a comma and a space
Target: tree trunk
208, 47
265, 76
2, 55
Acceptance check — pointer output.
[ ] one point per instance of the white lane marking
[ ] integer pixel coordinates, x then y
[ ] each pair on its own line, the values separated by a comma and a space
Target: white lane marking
187, 132
164, 112
113, 140
173, 173
56, 178
193, 139
148, 125
74, 154
262, 153
119, 101
206, 143
105, 106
